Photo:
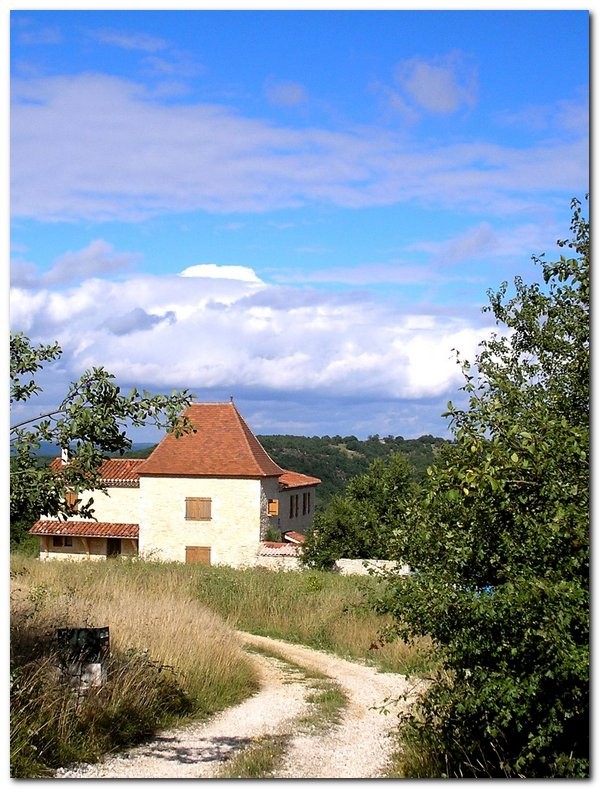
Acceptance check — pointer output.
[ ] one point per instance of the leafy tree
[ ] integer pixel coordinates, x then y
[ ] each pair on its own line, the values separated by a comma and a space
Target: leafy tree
360, 523
88, 424
500, 545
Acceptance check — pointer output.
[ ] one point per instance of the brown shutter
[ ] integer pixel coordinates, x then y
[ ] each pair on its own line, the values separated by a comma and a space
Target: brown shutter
196, 554
198, 509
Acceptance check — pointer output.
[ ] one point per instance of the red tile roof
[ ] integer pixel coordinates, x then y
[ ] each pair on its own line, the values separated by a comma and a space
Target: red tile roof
293, 479
294, 536
222, 446
85, 529
113, 469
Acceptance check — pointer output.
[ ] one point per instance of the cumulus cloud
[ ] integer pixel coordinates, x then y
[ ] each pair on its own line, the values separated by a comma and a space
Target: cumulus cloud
441, 85
204, 332
92, 147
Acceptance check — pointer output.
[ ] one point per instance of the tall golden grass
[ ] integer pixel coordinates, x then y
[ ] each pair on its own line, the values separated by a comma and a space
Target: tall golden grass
171, 659
148, 608
320, 609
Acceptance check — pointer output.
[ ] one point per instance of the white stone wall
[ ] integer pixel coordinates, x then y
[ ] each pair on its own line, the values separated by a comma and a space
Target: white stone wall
232, 533
116, 505
363, 566
279, 562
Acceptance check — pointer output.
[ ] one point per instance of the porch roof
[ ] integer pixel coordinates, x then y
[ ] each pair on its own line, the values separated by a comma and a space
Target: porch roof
72, 528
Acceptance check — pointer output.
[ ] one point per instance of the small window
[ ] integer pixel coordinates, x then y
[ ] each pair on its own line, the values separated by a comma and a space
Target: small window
198, 509
304, 503
68, 542
273, 507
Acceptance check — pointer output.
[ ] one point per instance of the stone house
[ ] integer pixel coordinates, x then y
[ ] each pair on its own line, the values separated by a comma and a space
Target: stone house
209, 497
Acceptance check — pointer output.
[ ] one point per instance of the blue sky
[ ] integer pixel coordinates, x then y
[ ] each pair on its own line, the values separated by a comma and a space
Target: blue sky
300, 209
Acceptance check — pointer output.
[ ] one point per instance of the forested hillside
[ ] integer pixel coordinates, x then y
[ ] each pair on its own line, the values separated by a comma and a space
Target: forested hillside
336, 459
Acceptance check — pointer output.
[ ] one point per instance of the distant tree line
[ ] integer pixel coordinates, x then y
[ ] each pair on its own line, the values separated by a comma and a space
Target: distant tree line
336, 460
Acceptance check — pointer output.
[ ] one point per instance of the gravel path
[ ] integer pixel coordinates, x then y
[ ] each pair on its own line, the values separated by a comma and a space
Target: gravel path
357, 748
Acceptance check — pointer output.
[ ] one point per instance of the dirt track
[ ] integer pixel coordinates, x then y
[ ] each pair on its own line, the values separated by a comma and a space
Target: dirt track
358, 748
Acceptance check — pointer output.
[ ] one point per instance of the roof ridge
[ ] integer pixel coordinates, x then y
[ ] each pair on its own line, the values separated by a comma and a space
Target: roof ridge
247, 432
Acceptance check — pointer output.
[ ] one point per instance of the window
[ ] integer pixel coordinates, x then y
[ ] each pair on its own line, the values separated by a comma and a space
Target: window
198, 509
60, 542
305, 500
294, 506
273, 507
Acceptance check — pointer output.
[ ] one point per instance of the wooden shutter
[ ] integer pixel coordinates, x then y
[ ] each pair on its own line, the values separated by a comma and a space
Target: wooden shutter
273, 507
197, 554
198, 509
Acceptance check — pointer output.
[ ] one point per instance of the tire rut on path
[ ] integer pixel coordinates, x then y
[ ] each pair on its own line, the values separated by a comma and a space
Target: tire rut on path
358, 747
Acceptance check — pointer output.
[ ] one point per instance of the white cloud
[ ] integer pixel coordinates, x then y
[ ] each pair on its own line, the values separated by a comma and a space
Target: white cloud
135, 41
213, 271
570, 115
441, 85
98, 258
204, 331
93, 147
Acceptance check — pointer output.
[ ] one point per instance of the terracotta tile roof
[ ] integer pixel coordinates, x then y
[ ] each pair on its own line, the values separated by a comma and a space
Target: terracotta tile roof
293, 479
85, 529
278, 549
114, 470
121, 469
294, 536
223, 446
